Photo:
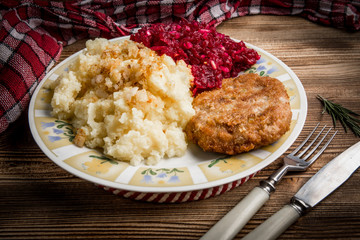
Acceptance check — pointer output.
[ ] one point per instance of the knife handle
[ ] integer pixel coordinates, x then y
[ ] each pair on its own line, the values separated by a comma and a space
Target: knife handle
273, 227
236, 219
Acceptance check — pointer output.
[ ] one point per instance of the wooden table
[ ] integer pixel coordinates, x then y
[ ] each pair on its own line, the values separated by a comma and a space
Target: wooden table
40, 200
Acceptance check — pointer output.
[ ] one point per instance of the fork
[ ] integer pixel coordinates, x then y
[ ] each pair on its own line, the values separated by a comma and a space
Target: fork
236, 219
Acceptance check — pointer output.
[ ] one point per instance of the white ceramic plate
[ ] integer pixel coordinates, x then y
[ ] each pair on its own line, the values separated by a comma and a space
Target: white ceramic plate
197, 175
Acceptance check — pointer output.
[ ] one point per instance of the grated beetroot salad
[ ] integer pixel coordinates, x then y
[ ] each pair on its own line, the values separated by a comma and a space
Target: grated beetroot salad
212, 55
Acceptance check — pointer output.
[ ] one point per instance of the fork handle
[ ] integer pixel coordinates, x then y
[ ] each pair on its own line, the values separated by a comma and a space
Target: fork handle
235, 220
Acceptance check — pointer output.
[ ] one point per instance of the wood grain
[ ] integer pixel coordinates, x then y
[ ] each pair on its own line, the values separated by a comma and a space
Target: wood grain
39, 200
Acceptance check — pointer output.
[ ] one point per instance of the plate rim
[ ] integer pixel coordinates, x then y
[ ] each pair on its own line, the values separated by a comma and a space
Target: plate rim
173, 189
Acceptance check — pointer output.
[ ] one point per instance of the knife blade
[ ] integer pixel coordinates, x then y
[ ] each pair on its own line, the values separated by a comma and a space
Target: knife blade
323, 183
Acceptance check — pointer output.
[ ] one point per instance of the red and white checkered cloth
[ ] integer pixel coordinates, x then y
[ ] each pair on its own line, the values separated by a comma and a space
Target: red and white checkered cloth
33, 33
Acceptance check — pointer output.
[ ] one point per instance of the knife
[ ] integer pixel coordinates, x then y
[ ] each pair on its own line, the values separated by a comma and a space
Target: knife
329, 178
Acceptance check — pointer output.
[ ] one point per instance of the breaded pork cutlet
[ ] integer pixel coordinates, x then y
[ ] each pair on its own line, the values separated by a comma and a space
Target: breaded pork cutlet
247, 112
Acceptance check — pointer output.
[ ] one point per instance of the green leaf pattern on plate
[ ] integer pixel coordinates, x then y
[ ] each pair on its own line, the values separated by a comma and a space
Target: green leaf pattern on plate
165, 173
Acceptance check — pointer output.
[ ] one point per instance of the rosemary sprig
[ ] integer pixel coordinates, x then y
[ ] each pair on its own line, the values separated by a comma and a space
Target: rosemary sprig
339, 113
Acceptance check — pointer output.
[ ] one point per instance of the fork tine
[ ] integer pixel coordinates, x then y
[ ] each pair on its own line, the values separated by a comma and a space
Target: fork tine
317, 145
305, 141
322, 149
312, 142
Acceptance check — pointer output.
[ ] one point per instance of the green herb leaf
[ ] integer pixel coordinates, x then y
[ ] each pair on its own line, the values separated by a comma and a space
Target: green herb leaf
343, 115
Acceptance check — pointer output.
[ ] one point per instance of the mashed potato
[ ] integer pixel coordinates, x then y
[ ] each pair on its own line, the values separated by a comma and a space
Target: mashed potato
124, 98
